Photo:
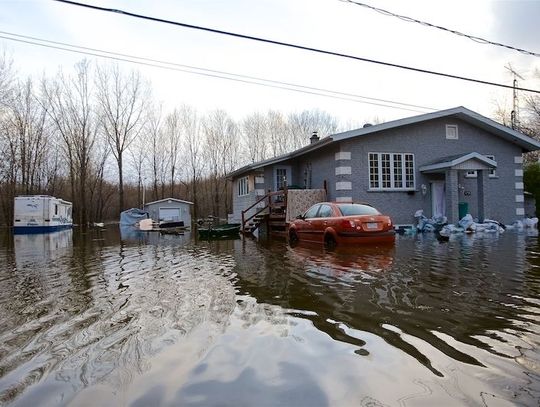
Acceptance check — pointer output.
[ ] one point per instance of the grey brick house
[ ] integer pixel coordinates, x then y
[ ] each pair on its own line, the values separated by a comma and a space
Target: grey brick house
440, 162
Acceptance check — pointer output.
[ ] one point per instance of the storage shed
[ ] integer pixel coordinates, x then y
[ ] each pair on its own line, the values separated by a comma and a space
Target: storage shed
170, 210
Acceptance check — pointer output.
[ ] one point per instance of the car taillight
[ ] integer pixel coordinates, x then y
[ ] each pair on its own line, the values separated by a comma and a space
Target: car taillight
350, 224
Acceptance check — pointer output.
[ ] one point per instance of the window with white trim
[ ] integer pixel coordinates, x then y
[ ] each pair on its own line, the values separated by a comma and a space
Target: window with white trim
491, 173
389, 171
452, 132
243, 186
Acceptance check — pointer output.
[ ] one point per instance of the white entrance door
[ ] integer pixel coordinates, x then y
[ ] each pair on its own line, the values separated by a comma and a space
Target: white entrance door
438, 198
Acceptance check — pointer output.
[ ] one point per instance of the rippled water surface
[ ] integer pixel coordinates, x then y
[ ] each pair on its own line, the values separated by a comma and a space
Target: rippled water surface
110, 318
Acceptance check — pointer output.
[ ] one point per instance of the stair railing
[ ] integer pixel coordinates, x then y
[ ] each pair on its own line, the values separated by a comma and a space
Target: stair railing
268, 205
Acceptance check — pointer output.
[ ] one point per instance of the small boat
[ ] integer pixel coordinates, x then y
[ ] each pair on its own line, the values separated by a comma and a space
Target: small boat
220, 231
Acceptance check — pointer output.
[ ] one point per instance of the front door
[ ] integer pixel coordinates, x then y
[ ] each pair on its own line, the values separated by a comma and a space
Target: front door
438, 199
282, 174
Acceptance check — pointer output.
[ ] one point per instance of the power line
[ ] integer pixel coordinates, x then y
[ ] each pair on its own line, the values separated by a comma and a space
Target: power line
426, 24
213, 73
296, 46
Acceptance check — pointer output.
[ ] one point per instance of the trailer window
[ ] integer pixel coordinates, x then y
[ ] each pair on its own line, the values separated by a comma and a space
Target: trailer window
56, 209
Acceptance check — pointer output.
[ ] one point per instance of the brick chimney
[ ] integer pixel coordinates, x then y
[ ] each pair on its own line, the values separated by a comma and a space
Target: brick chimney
314, 137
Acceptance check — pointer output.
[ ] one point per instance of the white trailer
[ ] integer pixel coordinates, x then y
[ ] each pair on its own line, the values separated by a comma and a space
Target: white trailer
41, 213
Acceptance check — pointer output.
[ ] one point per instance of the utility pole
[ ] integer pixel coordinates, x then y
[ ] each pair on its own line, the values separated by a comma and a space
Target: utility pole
514, 115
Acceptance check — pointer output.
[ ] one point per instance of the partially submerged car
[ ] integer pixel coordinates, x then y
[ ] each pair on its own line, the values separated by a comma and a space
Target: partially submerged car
342, 223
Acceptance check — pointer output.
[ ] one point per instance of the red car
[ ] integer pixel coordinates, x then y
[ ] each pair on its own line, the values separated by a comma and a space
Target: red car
338, 223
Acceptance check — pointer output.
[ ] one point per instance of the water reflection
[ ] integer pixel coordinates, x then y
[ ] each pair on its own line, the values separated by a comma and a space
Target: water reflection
105, 317
424, 295
131, 234
39, 247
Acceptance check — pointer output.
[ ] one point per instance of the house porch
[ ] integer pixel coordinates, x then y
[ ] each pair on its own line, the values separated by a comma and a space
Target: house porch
446, 196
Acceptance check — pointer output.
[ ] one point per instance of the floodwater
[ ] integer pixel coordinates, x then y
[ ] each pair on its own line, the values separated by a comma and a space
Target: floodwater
132, 319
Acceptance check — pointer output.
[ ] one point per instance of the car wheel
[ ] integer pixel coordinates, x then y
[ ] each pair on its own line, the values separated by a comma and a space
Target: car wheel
293, 237
329, 241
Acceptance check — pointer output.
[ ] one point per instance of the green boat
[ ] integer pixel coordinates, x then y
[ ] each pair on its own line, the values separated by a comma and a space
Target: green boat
221, 231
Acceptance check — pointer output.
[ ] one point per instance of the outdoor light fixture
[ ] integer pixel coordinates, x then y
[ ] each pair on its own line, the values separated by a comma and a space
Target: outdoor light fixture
423, 187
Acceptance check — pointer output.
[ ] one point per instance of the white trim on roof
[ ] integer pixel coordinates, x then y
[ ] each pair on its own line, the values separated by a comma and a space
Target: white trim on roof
168, 200
460, 113
456, 161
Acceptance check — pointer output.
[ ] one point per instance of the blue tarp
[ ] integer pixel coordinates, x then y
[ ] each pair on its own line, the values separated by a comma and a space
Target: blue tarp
132, 216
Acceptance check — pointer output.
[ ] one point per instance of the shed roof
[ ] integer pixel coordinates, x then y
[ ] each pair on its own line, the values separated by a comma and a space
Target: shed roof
168, 200
525, 142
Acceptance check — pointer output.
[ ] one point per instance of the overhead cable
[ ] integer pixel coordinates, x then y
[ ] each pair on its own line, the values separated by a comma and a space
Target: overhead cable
213, 73
426, 24
296, 46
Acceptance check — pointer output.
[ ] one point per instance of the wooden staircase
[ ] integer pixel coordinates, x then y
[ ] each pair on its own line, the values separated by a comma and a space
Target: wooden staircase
272, 215
252, 225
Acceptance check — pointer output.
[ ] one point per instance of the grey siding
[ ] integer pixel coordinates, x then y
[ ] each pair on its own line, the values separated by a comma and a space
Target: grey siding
317, 168
427, 141
240, 203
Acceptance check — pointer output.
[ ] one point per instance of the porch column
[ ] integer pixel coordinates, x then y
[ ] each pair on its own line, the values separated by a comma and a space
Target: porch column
481, 182
452, 196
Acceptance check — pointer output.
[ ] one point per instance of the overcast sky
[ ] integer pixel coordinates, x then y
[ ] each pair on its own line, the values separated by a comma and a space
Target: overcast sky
325, 24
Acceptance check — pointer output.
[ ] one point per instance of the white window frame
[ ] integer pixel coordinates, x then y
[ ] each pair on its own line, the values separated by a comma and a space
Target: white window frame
396, 176
243, 186
452, 132
492, 172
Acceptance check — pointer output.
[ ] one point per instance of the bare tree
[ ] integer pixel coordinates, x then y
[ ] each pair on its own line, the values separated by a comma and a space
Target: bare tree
157, 151
302, 125
7, 75
193, 156
99, 195
27, 132
221, 149
254, 132
531, 124
71, 109
173, 134
24, 144
278, 131
123, 99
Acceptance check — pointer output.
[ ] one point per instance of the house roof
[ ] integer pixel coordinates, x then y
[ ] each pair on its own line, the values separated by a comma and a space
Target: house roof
462, 113
452, 161
301, 151
168, 200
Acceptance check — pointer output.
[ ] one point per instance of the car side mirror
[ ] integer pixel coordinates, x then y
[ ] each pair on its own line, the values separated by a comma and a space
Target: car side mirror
300, 217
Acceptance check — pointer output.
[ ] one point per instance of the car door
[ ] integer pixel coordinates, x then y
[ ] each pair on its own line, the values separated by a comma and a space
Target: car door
305, 229
320, 223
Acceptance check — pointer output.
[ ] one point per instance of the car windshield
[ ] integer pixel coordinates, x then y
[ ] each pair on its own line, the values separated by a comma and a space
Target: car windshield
357, 209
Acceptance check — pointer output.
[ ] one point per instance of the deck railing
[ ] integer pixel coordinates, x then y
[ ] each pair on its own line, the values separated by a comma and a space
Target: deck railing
269, 205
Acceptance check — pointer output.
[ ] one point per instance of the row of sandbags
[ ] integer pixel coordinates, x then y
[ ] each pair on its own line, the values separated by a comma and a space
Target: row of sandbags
467, 224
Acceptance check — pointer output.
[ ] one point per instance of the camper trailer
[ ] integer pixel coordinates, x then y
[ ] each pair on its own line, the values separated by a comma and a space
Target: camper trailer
41, 213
